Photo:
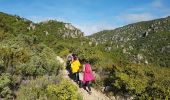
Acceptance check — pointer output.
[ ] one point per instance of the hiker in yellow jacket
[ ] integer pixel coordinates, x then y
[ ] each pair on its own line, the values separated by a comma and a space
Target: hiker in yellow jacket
75, 65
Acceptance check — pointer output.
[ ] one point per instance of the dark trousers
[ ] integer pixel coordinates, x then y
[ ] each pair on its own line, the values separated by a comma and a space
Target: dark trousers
68, 68
87, 84
76, 77
68, 65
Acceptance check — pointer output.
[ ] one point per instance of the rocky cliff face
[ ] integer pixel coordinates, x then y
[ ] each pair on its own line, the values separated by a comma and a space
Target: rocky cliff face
72, 31
145, 42
59, 29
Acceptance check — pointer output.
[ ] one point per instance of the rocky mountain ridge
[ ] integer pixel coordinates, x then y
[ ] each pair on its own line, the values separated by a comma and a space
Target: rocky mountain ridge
147, 41
15, 24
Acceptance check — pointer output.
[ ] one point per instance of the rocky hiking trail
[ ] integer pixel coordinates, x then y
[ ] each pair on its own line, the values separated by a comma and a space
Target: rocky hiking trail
96, 95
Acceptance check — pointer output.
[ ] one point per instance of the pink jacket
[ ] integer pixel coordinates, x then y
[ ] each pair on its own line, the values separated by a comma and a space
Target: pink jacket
88, 76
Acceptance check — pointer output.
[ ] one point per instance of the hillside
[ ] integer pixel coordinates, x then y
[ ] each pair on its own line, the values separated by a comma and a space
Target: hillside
145, 42
140, 59
132, 60
28, 61
51, 32
51, 28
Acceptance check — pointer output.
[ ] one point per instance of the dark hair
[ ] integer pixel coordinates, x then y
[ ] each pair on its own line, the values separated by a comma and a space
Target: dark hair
75, 58
74, 55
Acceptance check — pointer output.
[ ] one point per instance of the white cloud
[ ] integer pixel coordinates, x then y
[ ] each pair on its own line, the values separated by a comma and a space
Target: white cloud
149, 11
157, 3
135, 17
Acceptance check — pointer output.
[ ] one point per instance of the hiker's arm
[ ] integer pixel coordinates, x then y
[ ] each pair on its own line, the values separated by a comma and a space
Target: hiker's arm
91, 69
83, 68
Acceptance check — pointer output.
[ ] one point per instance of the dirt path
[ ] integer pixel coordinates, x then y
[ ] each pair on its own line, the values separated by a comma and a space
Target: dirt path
96, 95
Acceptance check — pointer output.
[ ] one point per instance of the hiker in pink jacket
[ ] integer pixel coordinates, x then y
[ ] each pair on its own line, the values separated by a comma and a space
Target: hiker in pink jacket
88, 76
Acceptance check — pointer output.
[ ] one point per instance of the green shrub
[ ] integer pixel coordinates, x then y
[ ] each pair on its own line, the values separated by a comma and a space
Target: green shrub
5, 82
51, 88
142, 82
62, 91
35, 89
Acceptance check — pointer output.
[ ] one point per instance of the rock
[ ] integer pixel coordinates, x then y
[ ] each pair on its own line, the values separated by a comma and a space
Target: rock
145, 34
146, 62
119, 98
122, 46
130, 47
107, 88
108, 48
69, 26
112, 98
90, 43
31, 26
97, 43
130, 98
124, 50
46, 33
139, 57
117, 46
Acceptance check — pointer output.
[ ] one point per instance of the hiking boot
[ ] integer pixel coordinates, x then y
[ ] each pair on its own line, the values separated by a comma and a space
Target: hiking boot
89, 92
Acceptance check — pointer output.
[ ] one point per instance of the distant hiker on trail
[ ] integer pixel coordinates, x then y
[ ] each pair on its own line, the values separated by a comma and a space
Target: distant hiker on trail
69, 60
88, 76
75, 65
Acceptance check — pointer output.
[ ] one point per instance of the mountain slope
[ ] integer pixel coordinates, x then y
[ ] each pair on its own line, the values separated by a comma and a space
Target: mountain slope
140, 59
17, 25
28, 58
143, 42
55, 34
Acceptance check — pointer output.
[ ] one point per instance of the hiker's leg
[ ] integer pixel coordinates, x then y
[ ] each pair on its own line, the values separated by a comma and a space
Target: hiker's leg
74, 76
88, 85
78, 79
80, 83
84, 86
67, 65
70, 73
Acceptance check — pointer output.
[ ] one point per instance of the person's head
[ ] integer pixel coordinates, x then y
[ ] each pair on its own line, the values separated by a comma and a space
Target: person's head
74, 56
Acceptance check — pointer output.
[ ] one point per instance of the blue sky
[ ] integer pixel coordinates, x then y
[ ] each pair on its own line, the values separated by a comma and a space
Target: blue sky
89, 15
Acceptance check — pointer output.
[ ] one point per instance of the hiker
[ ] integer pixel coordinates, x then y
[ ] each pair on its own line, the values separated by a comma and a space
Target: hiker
69, 60
88, 76
75, 65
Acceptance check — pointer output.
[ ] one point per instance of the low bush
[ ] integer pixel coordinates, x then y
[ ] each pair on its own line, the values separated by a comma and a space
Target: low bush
142, 82
51, 88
